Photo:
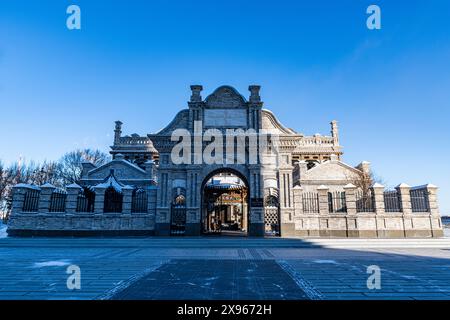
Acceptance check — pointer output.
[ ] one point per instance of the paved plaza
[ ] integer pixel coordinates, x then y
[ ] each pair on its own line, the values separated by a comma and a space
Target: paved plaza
224, 268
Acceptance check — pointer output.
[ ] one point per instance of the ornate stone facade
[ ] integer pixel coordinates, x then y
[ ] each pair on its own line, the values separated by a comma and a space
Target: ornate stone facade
301, 189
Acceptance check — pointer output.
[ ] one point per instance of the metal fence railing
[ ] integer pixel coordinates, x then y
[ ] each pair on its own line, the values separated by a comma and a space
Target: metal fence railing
392, 201
58, 201
365, 201
85, 201
336, 202
419, 200
31, 201
139, 201
311, 202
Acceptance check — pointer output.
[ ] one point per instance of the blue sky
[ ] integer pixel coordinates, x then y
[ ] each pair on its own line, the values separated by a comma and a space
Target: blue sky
315, 60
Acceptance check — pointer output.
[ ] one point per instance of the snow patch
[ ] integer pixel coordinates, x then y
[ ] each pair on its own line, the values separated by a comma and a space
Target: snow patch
3, 233
55, 263
325, 262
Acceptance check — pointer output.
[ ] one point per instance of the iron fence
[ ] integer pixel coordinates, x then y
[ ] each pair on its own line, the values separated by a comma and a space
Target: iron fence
85, 201
310, 202
58, 201
113, 201
365, 201
139, 201
336, 202
392, 201
31, 201
419, 200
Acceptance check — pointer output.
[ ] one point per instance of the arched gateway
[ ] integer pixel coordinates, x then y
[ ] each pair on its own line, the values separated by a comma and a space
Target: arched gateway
195, 147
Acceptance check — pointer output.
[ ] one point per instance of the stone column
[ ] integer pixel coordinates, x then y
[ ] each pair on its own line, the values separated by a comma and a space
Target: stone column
127, 199
151, 200
405, 198
435, 217
405, 201
99, 200
18, 197
350, 198
193, 206
378, 195
256, 226
73, 190
323, 200
298, 201
45, 197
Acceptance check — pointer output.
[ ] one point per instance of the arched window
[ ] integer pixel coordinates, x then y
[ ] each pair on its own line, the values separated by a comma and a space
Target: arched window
113, 201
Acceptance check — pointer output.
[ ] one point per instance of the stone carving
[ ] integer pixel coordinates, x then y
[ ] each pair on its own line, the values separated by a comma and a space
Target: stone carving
225, 97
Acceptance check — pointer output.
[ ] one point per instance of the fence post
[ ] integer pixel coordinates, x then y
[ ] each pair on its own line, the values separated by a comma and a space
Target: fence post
45, 197
378, 196
99, 203
18, 197
405, 198
127, 199
73, 190
350, 198
432, 199
151, 199
323, 199
298, 200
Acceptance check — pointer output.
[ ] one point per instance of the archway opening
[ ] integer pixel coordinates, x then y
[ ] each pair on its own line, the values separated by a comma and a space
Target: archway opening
225, 203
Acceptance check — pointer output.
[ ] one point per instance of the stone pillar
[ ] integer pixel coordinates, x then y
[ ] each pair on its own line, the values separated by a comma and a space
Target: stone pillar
350, 198
298, 201
151, 200
435, 217
323, 200
286, 184
302, 168
164, 199
193, 196
117, 132
73, 190
378, 195
256, 226
127, 199
405, 198
18, 197
45, 197
99, 200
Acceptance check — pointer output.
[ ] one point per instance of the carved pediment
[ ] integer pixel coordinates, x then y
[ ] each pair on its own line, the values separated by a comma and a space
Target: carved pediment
225, 97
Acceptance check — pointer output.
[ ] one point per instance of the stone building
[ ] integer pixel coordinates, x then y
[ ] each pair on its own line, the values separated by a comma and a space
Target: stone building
283, 183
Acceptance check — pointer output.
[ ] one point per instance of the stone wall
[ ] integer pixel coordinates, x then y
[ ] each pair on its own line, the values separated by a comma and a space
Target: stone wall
376, 224
70, 222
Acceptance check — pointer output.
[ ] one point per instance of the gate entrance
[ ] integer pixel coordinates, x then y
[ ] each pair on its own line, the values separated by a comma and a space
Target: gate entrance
225, 205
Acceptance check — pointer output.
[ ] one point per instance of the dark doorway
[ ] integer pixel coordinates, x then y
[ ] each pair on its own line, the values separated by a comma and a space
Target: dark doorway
225, 204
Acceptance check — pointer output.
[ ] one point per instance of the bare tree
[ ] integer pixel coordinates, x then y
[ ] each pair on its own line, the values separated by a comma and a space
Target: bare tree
70, 164
364, 180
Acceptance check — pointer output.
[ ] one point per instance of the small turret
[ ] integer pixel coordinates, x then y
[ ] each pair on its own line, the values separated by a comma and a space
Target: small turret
335, 132
254, 93
117, 132
196, 90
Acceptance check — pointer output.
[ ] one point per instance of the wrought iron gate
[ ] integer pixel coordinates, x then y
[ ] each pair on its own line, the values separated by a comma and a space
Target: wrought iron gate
178, 220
